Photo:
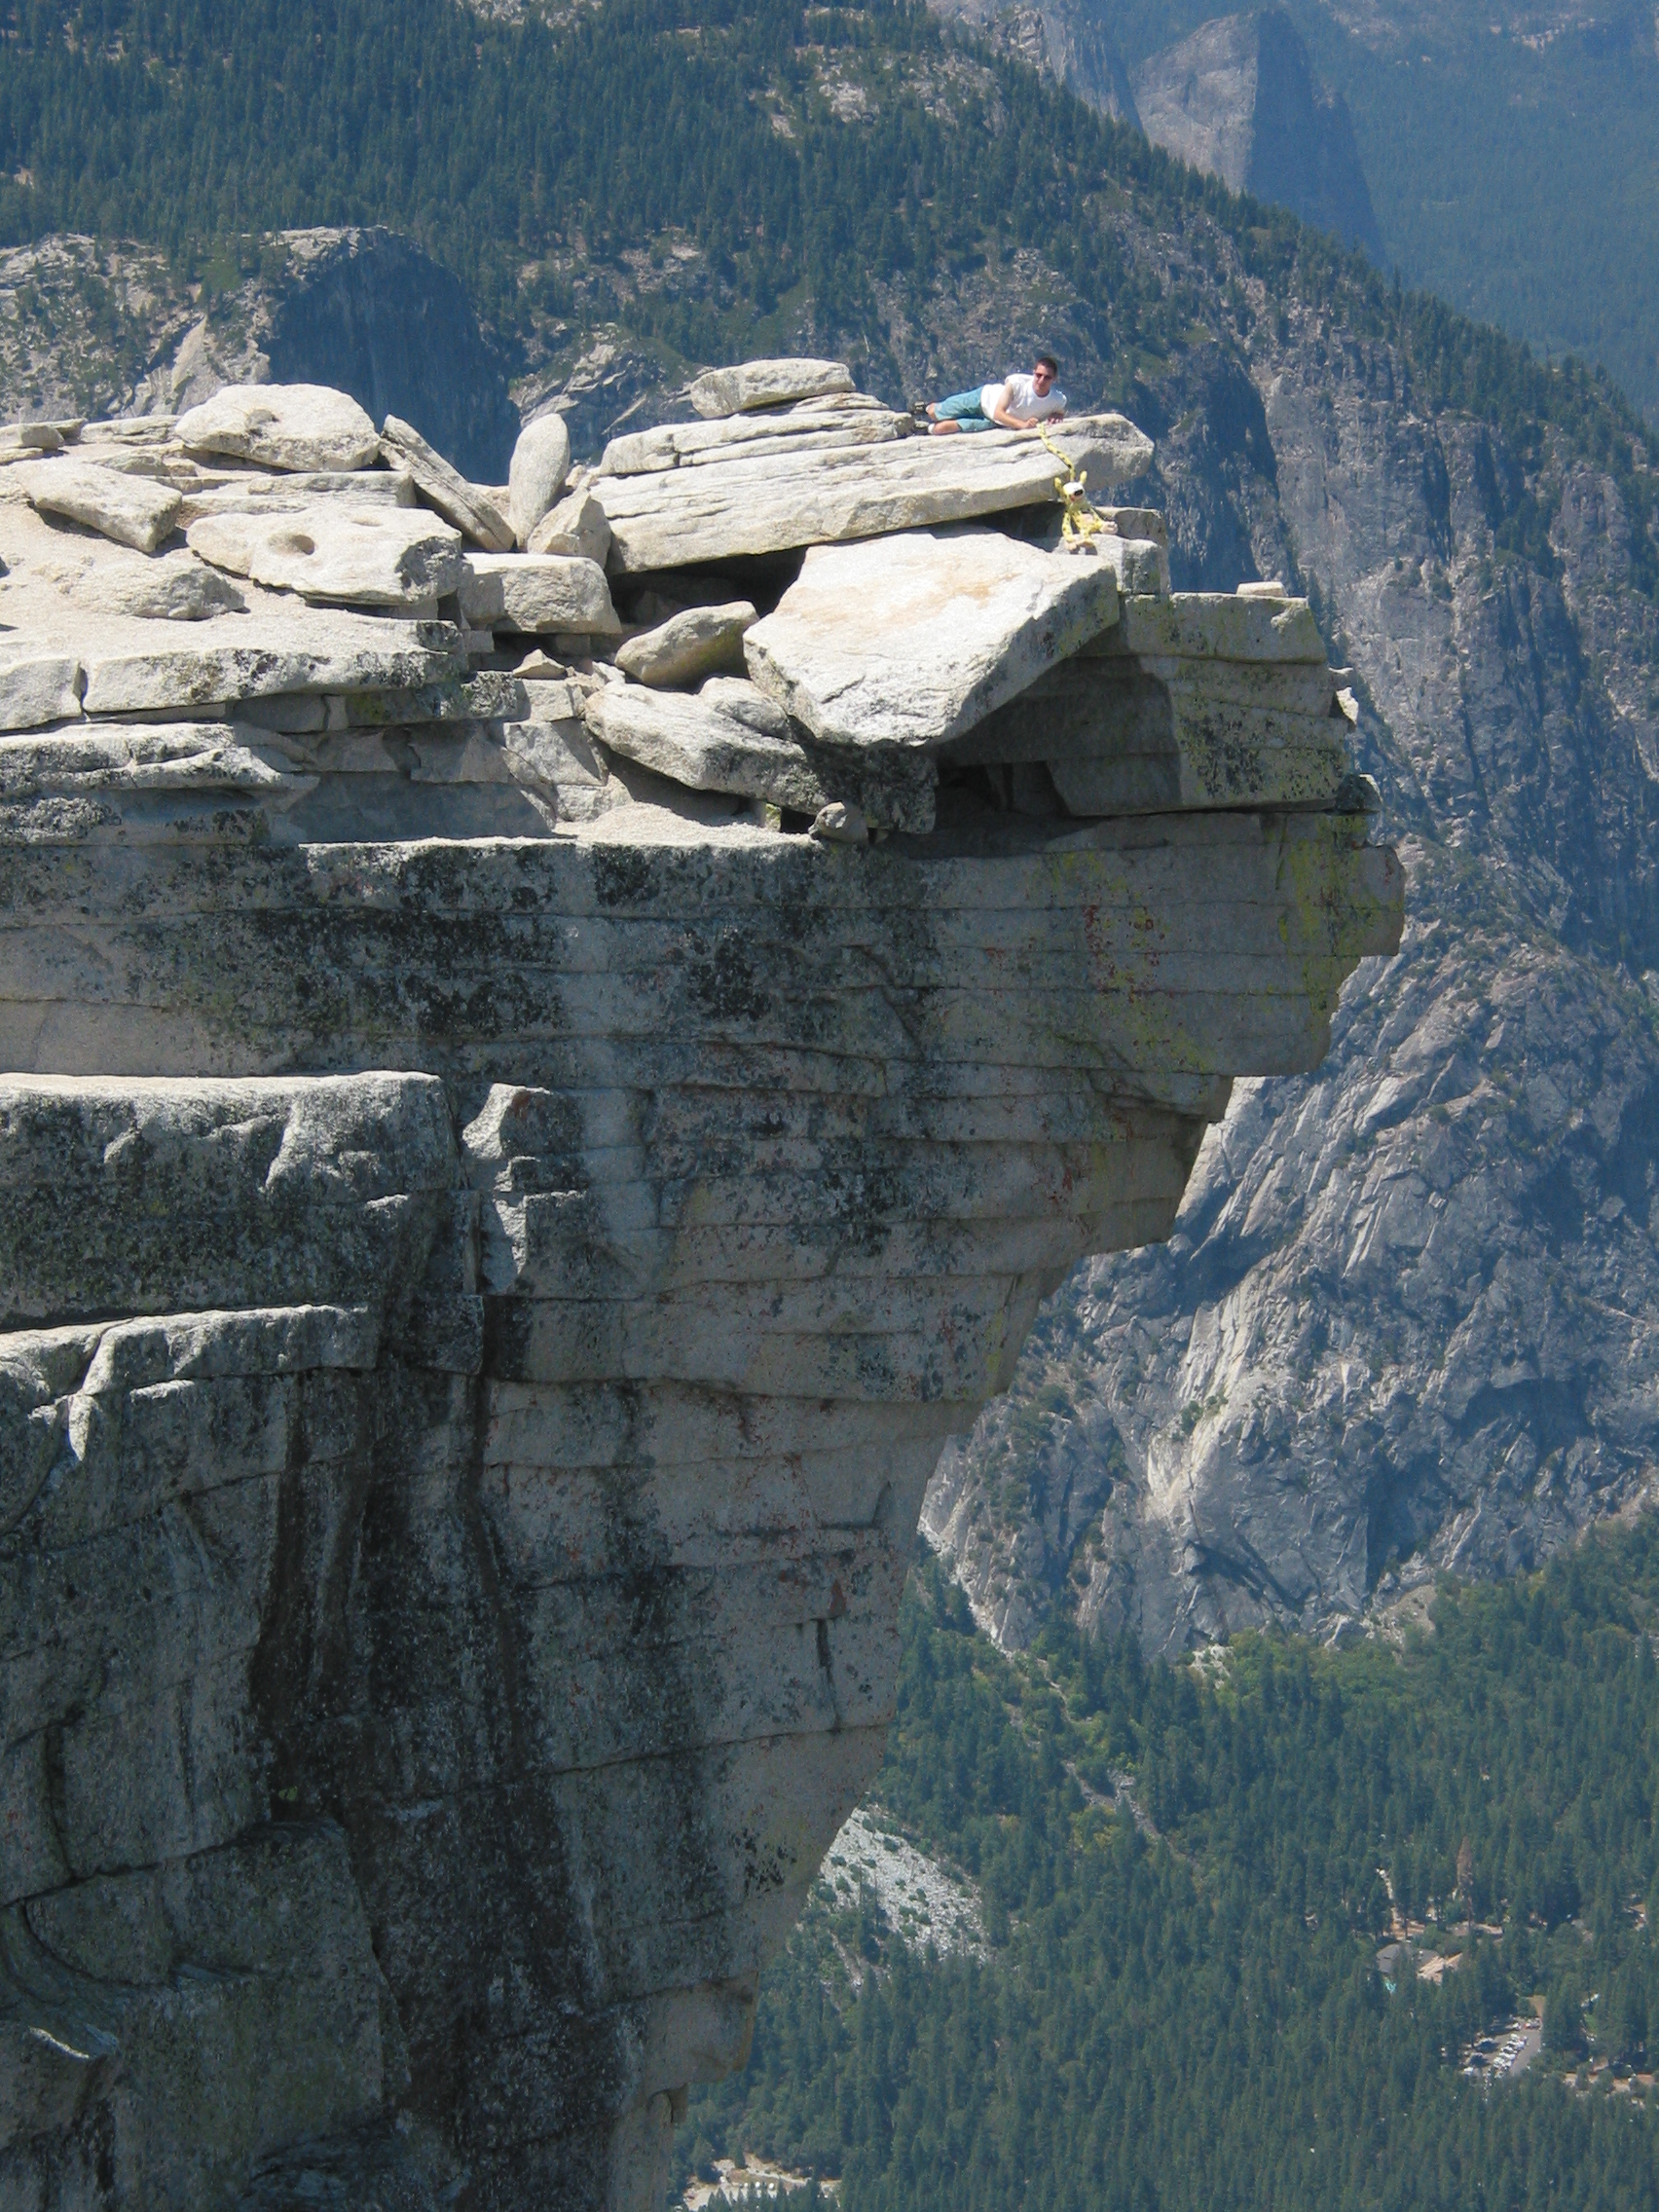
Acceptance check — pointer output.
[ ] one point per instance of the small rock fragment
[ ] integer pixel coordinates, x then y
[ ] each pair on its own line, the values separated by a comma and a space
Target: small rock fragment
839, 824
132, 510
577, 526
536, 473
699, 642
466, 505
283, 426
766, 384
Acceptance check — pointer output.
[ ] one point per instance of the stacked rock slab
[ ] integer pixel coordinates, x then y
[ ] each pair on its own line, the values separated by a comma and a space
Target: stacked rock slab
498, 1220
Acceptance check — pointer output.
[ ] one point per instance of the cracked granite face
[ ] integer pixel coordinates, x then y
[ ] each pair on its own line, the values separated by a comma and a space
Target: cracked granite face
496, 1233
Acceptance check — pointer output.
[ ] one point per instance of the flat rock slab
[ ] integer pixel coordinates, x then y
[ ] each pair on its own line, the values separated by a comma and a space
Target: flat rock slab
242, 657
913, 640
132, 510
354, 557
686, 647
778, 501
253, 492
444, 488
283, 426
1218, 625
766, 383
843, 418
536, 592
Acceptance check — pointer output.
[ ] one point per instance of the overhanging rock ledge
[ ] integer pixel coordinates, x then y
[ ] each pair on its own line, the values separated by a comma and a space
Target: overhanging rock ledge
497, 1221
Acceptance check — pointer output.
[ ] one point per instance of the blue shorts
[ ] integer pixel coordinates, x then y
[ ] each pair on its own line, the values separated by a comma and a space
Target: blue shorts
963, 408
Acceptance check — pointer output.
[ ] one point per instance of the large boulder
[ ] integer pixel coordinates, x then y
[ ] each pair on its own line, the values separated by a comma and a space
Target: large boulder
912, 640
393, 558
292, 426
540, 463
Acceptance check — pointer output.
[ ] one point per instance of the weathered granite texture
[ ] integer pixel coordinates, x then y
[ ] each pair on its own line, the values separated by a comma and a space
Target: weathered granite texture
493, 1242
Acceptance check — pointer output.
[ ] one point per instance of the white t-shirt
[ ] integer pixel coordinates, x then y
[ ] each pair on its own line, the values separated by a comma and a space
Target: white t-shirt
1021, 398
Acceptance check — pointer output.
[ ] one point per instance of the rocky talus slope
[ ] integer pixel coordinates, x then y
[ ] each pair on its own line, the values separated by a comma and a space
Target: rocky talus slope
555, 1039
1406, 1320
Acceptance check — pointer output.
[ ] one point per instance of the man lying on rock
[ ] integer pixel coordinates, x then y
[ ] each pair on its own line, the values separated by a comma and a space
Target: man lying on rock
1017, 403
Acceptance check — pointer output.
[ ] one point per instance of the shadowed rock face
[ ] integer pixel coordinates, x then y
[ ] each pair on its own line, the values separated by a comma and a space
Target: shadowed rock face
493, 1239
362, 309
1238, 99
369, 311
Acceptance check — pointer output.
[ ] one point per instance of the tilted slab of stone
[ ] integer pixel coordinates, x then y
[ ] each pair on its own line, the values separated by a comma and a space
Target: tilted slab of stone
914, 639
535, 476
282, 426
128, 509
731, 738
774, 503
349, 556
846, 419
532, 592
443, 487
766, 383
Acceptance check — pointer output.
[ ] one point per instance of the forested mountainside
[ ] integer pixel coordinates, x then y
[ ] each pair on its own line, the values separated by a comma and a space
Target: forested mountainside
1250, 1927
1407, 1317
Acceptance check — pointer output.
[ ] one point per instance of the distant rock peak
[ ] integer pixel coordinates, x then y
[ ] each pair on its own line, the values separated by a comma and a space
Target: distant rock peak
1240, 100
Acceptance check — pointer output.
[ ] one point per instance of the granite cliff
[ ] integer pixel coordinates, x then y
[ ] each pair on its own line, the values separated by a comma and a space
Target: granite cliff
1405, 1321
556, 1038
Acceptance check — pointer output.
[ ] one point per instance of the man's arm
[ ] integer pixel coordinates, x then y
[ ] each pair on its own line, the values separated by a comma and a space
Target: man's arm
1002, 416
